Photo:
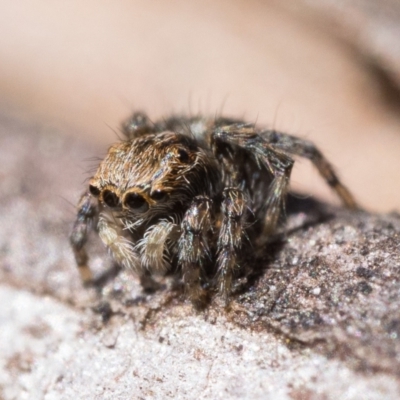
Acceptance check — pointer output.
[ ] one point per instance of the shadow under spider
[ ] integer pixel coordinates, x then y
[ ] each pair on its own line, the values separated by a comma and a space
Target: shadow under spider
260, 260
315, 211
100, 281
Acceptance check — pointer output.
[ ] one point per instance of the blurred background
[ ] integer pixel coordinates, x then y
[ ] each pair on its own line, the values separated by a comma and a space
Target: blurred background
324, 70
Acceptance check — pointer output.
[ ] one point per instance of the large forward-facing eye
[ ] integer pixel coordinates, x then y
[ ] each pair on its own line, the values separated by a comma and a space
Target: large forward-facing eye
110, 198
183, 156
136, 202
94, 190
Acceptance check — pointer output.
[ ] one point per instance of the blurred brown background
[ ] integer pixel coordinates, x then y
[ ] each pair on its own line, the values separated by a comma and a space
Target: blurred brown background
323, 70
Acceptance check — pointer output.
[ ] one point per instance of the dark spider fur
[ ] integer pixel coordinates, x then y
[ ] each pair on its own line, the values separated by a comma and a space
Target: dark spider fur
191, 195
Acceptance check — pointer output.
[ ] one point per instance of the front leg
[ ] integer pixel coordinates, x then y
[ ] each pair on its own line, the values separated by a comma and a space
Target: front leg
193, 247
87, 214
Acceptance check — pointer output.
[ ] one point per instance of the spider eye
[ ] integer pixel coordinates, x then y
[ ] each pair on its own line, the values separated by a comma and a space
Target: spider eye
94, 190
183, 156
110, 198
136, 202
158, 195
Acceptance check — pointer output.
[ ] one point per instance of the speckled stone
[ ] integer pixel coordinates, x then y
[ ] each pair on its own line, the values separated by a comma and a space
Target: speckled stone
319, 319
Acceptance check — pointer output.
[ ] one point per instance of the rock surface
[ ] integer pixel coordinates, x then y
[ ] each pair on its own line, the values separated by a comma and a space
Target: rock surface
320, 320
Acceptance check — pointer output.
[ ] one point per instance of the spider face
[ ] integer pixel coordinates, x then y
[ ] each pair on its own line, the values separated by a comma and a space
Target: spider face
190, 194
153, 175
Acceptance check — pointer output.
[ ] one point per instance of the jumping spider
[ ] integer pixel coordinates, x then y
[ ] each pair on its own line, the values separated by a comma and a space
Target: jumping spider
191, 195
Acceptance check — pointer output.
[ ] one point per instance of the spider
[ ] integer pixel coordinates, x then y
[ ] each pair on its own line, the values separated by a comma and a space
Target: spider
191, 195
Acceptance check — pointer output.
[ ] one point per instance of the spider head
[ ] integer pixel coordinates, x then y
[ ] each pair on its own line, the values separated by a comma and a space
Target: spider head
154, 175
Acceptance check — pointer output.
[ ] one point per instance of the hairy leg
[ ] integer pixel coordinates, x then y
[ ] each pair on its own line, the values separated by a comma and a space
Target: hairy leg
193, 247
307, 149
230, 240
277, 163
87, 214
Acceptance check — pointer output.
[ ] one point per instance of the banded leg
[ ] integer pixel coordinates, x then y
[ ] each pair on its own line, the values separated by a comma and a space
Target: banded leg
194, 252
307, 149
277, 163
87, 213
230, 238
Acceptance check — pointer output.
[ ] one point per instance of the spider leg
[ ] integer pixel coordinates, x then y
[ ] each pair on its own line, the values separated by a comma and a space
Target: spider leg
193, 248
307, 149
137, 125
87, 213
230, 238
276, 162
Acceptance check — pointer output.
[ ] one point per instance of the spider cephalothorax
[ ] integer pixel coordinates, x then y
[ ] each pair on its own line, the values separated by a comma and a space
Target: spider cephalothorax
191, 195
154, 176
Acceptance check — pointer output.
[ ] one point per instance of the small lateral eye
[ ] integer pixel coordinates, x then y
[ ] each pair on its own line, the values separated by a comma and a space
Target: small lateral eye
158, 195
110, 198
136, 202
183, 155
94, 190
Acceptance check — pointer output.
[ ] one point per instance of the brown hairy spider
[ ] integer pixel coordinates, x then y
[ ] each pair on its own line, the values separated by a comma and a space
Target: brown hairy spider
191, 195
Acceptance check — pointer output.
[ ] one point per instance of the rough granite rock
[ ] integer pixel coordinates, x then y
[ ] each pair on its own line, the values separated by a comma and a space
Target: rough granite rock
319, 320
